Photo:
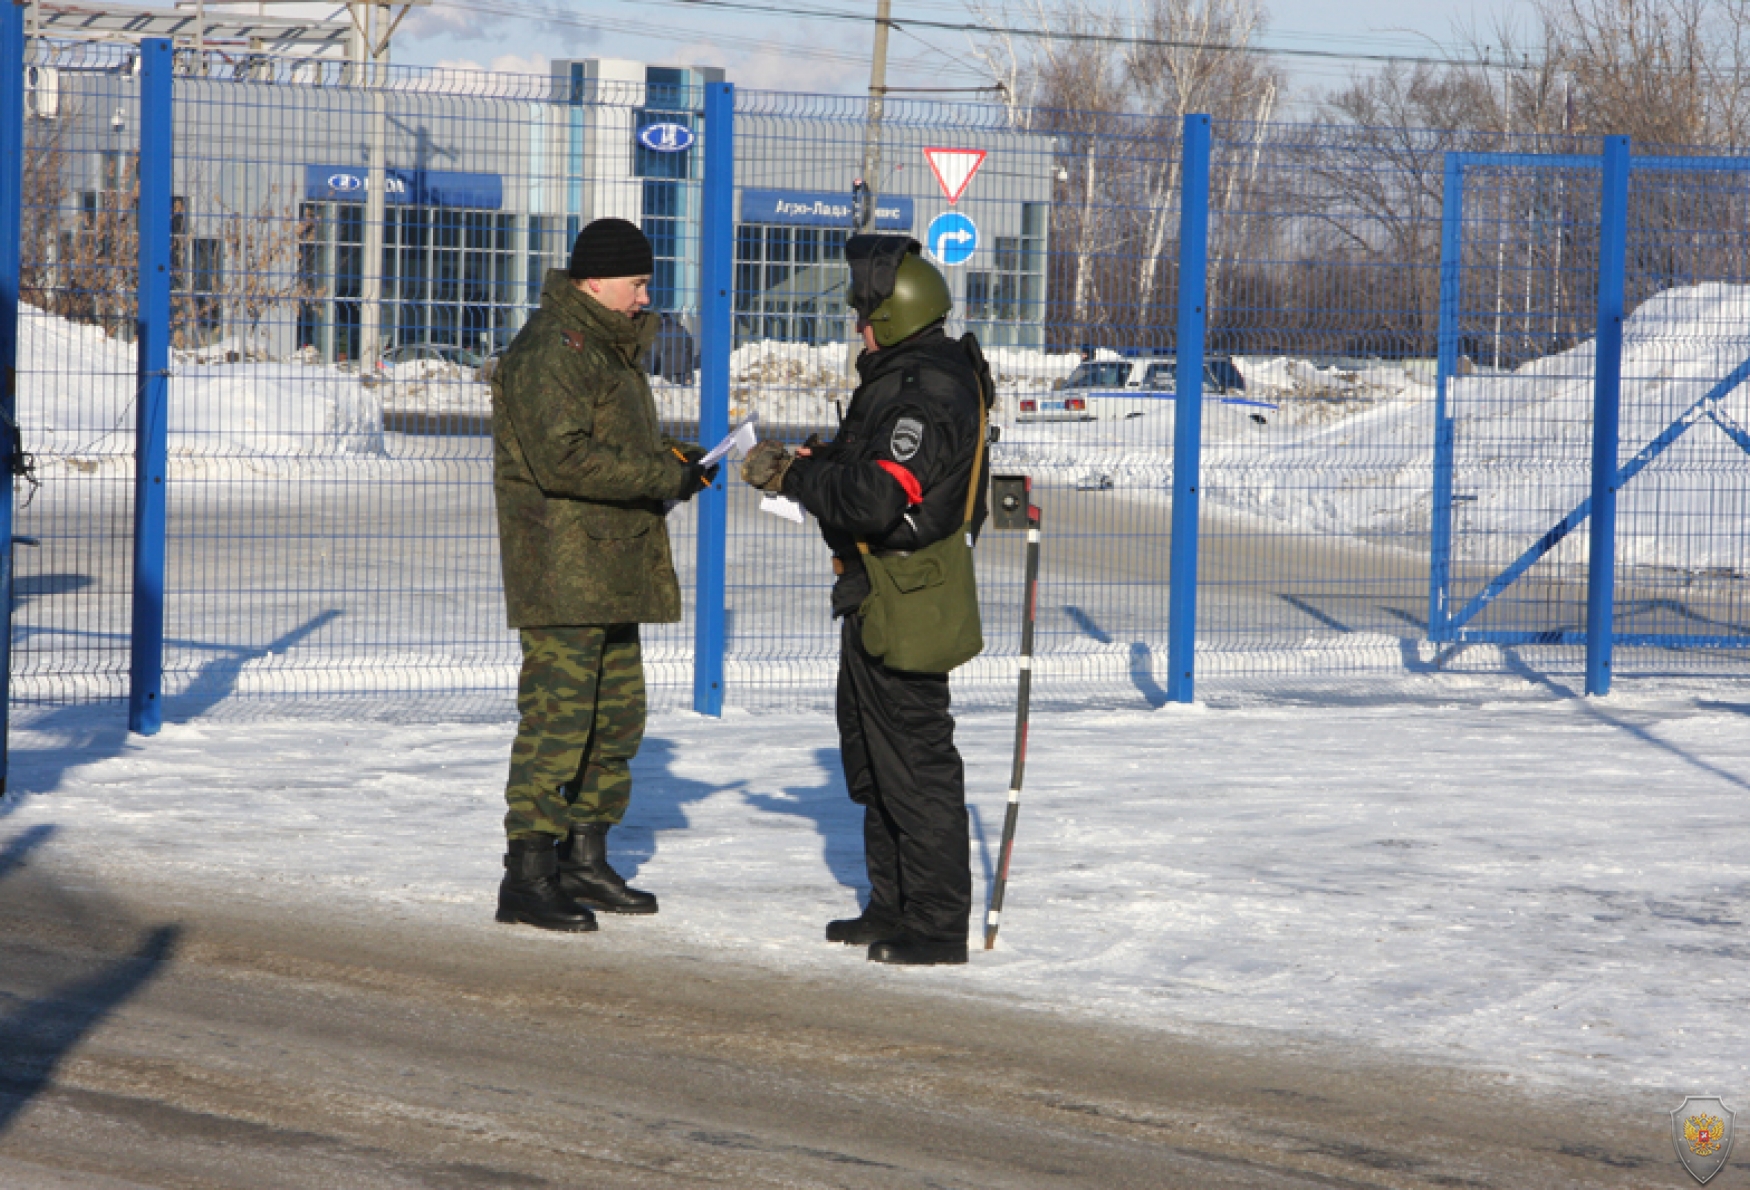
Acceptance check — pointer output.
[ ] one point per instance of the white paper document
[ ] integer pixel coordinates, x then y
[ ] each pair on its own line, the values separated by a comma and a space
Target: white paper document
741, 440
781, 506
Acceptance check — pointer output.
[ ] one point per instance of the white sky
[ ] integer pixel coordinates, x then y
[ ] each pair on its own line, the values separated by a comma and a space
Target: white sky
796, 53
829, 55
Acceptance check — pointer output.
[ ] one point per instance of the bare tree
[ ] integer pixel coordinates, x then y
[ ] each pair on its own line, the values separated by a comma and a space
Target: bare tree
261, 271
97, 257
1067, 83
45, 211
1190, 56
1640, 68
1114, 94
78, 249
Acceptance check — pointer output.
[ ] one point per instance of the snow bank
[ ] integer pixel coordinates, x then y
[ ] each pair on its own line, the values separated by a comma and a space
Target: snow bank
77, 400
1022, 366
797, 384
1524, 440
789, 384
1349, 450
1311, 394
1345, 449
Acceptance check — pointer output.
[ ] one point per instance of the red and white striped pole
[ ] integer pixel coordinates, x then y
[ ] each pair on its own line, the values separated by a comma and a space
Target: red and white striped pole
994, 917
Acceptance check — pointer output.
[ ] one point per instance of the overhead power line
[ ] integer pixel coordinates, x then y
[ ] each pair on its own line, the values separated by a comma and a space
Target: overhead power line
1041, 34
548, 16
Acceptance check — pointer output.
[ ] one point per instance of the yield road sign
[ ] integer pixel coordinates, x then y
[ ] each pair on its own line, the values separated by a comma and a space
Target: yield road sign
952, 238
954, 169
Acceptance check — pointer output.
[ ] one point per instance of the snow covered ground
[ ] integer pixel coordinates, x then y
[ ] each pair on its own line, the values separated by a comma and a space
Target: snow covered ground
1463, 867
1552, 888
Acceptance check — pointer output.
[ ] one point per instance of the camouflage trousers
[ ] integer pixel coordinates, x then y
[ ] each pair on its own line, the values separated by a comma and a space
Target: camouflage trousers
581, 698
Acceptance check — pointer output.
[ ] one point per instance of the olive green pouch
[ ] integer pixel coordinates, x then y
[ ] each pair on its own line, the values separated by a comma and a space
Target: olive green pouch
921, 614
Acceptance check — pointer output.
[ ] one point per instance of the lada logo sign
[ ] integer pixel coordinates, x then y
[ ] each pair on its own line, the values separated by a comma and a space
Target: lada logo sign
348, 183
666, 138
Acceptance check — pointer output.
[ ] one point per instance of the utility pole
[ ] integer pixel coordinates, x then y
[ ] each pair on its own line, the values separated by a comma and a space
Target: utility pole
865, 212
372, 30
371, 268
866, 192
367, 67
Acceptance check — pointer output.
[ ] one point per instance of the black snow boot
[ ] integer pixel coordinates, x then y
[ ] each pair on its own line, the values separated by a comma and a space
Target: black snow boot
872, 925
908, 950
530, 891
586, 878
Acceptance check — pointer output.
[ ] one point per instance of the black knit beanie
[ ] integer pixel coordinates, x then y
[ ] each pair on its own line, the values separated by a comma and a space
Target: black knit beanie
611, 248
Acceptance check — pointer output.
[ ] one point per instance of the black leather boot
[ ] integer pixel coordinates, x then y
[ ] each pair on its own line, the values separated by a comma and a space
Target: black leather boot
586, 878
908, 950
872, 925
530, 892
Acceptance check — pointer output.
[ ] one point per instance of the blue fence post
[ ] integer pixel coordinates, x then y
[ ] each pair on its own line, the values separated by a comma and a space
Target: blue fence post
1188, 407
1606, 406
1446, 366
11, 212
146, 667
716, 340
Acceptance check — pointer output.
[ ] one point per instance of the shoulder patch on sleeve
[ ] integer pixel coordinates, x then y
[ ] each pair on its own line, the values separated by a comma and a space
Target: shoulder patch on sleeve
573, 340
907, 437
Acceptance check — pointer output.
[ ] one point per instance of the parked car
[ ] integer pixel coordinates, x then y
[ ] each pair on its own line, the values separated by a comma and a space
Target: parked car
1220, 377
1069, 400
445, 353
1138, 377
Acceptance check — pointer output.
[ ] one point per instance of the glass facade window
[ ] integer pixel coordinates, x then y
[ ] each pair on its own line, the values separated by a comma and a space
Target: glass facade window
666, 193
451, 277
1005, 305
549, 248
454, 284
790, 283
662, 224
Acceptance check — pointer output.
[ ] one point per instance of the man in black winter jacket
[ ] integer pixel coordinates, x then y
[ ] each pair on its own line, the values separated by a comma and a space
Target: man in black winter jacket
895, 479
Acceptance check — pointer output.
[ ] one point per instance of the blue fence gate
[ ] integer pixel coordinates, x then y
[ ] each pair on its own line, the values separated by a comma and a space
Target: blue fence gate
1298, 402
1589, 478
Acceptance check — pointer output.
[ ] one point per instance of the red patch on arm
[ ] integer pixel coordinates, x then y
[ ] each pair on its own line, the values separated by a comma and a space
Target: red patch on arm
914, 491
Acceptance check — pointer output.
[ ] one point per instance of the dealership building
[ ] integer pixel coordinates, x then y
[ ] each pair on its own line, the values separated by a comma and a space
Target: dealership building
486, 180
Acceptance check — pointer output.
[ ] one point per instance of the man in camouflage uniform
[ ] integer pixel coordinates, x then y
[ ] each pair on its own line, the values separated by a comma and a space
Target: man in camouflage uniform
583, 476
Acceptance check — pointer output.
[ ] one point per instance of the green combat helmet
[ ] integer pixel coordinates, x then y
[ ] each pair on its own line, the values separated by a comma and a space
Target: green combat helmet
893, 288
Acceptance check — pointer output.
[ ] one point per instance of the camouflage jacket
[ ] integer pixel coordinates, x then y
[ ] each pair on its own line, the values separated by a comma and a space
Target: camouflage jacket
581, 468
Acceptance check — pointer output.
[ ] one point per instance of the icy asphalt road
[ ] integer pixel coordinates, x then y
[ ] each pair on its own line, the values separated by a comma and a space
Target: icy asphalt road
148, 1040
1409, 944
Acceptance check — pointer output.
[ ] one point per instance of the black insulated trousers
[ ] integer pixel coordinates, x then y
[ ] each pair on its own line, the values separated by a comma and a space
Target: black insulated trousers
896, 739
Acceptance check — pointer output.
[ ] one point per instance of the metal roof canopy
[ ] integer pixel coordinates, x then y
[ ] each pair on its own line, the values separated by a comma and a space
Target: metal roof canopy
130, 23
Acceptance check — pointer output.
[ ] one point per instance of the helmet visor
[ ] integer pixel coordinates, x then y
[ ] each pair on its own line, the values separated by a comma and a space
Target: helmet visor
874, 262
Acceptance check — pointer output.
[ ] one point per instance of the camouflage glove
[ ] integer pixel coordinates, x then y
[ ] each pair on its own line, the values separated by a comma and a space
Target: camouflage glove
696, 480
765, 466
